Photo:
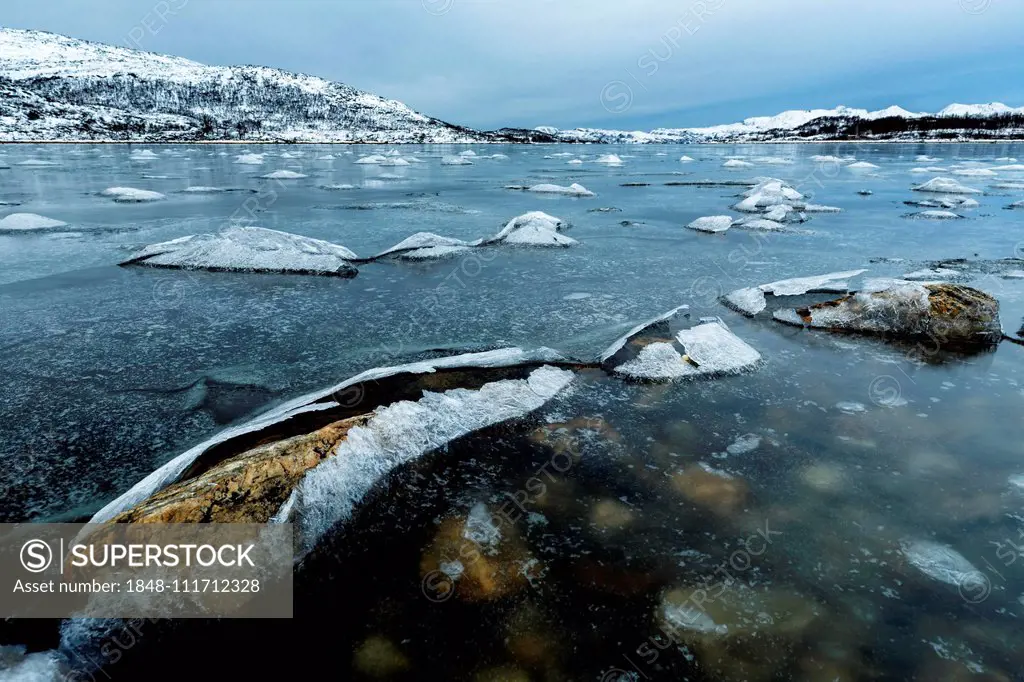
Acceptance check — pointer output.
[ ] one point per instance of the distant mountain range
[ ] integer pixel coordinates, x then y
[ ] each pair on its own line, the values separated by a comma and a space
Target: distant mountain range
56, 88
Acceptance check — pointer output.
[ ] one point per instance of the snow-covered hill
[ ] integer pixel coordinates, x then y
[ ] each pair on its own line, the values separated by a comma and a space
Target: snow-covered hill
53, 87
56, 87
955, 122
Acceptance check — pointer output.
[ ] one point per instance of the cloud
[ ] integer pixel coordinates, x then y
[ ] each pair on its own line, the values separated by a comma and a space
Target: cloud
490, 63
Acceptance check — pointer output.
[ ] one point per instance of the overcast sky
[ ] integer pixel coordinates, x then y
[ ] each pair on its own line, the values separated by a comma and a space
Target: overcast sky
613, 63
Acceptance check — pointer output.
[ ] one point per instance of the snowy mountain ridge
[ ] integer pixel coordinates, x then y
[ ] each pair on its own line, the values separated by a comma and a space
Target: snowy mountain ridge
57, 88
61, 88
957, 121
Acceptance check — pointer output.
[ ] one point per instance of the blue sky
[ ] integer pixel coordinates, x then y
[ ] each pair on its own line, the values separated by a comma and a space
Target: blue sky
633, 64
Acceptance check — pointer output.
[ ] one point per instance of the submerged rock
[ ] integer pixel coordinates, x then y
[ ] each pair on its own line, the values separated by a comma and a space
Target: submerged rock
945, 314
738, 632
248, 488
379, 657
471, 556
249, 249
711, 489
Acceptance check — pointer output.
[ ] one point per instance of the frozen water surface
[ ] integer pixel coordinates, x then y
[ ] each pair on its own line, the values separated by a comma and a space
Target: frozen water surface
882, 473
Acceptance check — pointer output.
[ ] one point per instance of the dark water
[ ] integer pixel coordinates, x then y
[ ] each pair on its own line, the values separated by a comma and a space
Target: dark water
781, 498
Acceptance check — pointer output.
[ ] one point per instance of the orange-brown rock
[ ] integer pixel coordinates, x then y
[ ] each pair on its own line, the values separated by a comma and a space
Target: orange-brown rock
247, 488
713, 490
479, 572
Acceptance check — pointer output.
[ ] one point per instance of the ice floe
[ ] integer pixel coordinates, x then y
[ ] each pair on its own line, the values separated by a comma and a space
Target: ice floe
862, 165
396, 161
403, 431
939, 562
621, 342
737, 164
609, 160
319, 400
710, 350
27, 222
946, 186
686, 159
36, 162
249, 249
338, 187
455, 161
130, 195
143, 155
372, 160
718, 223
751, 300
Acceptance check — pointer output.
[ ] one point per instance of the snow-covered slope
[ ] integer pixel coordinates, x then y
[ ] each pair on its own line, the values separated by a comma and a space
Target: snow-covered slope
56, 87
825, 123
957, 121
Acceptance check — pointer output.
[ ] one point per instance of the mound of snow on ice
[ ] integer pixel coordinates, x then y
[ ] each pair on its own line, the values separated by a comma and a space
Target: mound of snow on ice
533, 229
249, 249
946, 186
284, 175
718, 223
130, 195
573, 190
427, 246
25, 222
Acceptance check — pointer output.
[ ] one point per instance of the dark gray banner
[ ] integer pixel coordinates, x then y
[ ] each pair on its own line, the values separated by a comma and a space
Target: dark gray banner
202, 570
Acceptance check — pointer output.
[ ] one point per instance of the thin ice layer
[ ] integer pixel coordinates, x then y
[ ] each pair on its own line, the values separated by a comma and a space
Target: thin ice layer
622, 340
169, 472
751, 300
403, 431
253, 249
716, 350
657, 361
